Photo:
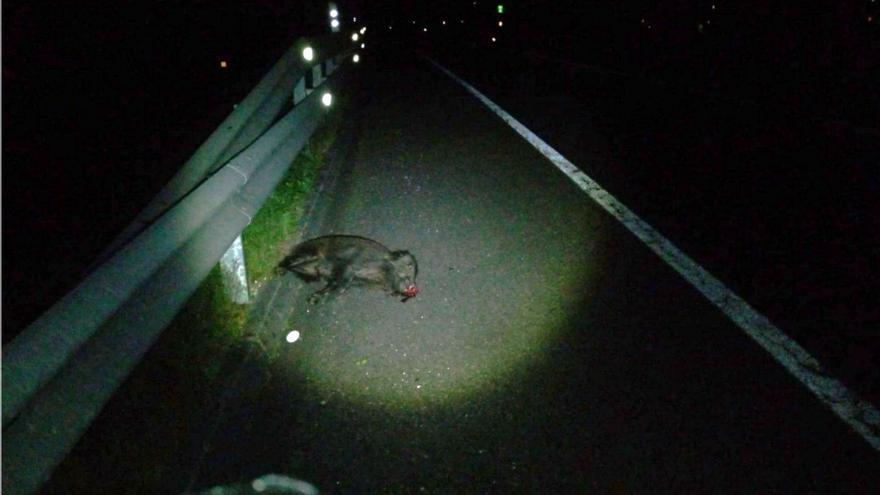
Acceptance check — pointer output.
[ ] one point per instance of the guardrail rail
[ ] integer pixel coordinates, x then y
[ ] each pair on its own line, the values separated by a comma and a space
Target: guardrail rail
63, 368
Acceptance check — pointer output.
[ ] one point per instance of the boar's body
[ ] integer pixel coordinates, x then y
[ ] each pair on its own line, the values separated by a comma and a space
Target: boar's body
344, 261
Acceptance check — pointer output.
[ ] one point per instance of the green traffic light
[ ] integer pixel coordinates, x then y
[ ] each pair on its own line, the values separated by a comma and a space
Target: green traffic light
500, 8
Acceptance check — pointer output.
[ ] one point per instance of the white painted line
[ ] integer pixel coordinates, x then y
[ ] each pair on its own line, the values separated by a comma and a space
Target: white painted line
860, 415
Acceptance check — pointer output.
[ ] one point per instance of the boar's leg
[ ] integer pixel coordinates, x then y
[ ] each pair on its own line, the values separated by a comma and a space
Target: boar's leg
305, 266
307, 270
337, 283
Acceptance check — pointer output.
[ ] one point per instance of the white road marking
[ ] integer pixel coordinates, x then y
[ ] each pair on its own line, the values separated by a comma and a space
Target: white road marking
860, 415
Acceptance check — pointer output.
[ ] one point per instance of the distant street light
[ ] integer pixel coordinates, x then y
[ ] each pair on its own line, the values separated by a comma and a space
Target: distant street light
308, 53
327, 99
354, 37
356, 58
333, 13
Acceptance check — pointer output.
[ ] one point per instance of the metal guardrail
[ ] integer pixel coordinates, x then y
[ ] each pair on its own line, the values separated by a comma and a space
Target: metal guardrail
59, 373
249, 120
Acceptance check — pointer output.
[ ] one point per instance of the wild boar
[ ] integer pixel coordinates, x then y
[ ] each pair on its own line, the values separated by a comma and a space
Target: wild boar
344, 261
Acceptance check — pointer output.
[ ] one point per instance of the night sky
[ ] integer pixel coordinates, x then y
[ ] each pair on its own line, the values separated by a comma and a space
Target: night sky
103, 101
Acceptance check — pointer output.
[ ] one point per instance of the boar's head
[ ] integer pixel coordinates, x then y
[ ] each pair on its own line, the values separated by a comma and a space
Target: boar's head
405, 270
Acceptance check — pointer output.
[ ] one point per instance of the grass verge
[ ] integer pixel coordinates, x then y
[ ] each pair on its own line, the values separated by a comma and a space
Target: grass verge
267, 239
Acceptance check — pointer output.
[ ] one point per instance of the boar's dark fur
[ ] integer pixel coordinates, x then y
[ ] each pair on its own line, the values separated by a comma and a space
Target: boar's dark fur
344, 261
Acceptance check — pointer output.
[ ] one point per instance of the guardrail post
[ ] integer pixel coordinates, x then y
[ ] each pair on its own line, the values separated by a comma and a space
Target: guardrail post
317, 77
299, 91
234, 273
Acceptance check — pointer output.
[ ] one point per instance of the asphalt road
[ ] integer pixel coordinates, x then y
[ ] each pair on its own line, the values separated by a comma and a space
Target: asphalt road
772, 194
548, 351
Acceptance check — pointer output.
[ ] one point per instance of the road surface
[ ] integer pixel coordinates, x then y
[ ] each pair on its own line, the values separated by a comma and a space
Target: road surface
549, 350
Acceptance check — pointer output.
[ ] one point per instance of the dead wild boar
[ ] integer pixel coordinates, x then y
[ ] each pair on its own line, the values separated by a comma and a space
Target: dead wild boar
344, 261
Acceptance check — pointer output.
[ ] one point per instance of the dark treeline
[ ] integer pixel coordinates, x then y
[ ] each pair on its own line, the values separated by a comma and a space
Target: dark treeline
102, 103
788, 53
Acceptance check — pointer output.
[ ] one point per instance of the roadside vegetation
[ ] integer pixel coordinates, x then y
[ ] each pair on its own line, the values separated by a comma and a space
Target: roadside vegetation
267, 239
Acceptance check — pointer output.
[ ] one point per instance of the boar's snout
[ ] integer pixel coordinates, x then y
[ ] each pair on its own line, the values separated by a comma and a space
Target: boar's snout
407, 269
411, 290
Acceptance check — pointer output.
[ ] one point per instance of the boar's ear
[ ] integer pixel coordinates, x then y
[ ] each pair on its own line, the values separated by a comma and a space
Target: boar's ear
396, 255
